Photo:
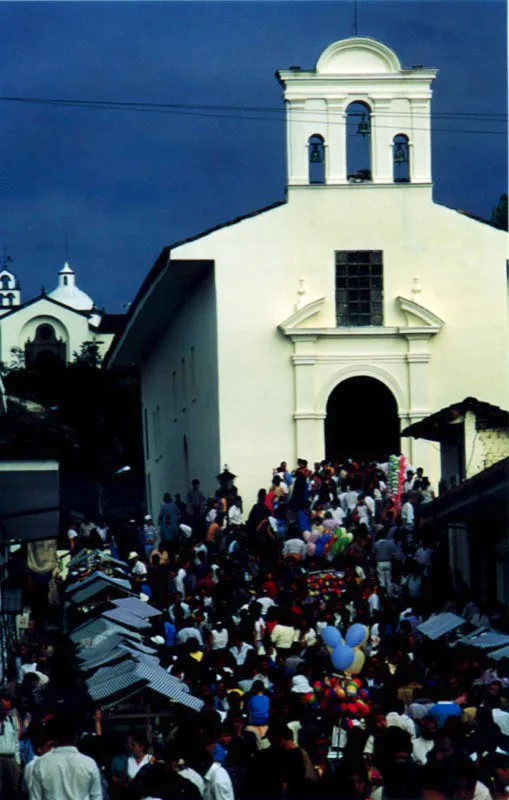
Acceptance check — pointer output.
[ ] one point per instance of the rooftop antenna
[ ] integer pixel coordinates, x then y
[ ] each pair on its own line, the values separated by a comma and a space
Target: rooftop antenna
355, 20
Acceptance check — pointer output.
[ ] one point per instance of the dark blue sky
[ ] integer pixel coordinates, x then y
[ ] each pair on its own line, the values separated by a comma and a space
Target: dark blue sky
124, 184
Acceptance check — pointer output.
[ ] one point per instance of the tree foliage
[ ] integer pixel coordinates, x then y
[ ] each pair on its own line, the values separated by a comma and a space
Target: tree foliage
499, 216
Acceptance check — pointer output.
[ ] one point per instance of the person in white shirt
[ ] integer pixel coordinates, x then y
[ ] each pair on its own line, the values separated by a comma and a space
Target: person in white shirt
398, 719
219, 636
425, 742
337, 512
349, 500
218, 785
64, 773
189, 631
138, 758
235, 517
407, 513
409, 482
296, 548
239, 651
370, 502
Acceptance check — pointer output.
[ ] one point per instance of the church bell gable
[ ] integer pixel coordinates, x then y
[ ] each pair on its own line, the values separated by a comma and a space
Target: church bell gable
358, 87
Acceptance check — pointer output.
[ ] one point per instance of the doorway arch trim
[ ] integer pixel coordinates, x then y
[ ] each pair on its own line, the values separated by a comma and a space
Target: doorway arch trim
362, 371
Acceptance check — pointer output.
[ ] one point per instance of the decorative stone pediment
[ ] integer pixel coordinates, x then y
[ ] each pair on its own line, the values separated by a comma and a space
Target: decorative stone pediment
301, 315
413, 310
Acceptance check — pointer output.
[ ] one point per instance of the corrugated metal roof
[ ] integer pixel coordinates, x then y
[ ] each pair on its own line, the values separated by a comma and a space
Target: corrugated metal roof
132, 675
137, 607
128, 618
110, 673
114, 686
96, 576
167, 685
100, 627
138, 647
111, 649
486, 640
497, 655
439, 625
94, 590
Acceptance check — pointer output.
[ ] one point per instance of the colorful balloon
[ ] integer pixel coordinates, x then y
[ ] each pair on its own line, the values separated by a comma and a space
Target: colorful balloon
355, 635
357, 663
331, 637
342, 657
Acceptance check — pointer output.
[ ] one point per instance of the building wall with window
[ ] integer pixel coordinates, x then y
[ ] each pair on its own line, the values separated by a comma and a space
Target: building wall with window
276, 376
179, 390
431, 323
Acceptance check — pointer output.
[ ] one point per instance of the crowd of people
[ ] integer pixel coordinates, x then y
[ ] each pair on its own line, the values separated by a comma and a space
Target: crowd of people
246, 597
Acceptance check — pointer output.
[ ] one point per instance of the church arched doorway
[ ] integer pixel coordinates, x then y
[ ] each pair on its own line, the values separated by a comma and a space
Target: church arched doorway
362, 421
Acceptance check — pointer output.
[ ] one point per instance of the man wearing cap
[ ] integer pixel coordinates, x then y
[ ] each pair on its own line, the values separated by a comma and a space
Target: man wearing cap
136, 566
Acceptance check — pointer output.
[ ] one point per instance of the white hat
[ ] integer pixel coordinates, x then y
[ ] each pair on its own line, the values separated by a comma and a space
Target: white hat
147, 517
157, 639
301, 685
132, 554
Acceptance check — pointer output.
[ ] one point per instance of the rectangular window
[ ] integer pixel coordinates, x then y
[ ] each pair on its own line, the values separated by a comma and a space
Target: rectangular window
175, 395
147, 437
149, 493
359, 288
193, 376
184, 384
154, 433
158, 432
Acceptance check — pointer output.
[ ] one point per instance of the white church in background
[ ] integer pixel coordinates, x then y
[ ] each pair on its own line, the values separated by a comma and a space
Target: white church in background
50, 326
327, 323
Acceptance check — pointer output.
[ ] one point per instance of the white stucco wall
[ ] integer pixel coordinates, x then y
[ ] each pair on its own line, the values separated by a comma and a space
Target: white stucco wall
173, 408
461, 266
484, 446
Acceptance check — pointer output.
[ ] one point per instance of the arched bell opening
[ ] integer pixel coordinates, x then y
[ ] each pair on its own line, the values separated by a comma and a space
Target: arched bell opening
401, 158
358, 142
316, 159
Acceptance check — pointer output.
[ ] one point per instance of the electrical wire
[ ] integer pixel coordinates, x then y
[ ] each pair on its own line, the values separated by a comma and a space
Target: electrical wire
223, 112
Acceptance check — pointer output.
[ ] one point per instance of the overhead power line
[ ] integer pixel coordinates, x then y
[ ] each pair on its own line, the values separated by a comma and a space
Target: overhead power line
246, 112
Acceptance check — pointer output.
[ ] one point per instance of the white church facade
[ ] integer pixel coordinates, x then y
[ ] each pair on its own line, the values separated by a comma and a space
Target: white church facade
52, 325
325, 324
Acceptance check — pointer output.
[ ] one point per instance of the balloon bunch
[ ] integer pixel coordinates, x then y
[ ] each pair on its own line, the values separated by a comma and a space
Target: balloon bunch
325, 584
346, 656
397, 465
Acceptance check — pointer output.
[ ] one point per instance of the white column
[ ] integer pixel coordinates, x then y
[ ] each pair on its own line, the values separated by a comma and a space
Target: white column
309, 425
381, 139
297, 150
336, 152
420, 162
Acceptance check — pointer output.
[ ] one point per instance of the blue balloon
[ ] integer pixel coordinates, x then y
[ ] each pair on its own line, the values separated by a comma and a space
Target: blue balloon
342, 657
355, 635
331, 636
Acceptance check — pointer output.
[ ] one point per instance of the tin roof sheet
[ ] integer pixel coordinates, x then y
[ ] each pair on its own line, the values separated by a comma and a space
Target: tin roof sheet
439, 625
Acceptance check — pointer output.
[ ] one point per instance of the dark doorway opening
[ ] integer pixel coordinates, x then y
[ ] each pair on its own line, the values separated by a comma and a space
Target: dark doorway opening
362, 421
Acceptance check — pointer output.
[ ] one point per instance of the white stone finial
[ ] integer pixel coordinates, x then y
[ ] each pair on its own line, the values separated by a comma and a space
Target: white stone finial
416, 287
301, 294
